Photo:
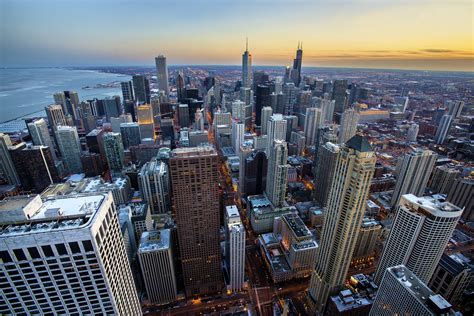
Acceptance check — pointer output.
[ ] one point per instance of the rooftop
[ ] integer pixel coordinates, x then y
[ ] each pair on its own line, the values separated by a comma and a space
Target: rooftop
155, 240
296, 225
359, 143
430, 205
189, 152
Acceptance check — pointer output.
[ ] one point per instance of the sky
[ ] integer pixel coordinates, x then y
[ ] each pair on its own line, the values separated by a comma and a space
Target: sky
402, 34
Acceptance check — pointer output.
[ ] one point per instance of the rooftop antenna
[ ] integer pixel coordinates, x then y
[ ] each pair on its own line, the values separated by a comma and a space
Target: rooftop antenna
246, 44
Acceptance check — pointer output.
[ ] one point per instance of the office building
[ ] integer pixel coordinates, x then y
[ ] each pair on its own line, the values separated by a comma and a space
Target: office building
245, 151
145, 121
325, 168
76, 246
339, 97
162, 74
112, 107
234, 249
69, 100
194, 173
141, 88
255, 167
412, 133
113, 148
55, 115
277, 172
7, 167
247, 67
349, 191
154, 185
443, 178
369, 233
127, 91
312, 122
267, 112
461, 194
403, 293
263, 214
130, 134
238, 110
70, 148
453, 278
156, 259
92, 164
34, 165
297, 62
455, 108
38, 129
348, 128
116, 121
183, 115
262, 98
277, 130
419, 234
298, 139
443, 129
415, 171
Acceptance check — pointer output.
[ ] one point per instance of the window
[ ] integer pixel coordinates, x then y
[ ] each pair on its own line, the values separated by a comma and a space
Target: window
61, 249
74, 247
5, 257
34, 253
87, 245
19, 254
48, 251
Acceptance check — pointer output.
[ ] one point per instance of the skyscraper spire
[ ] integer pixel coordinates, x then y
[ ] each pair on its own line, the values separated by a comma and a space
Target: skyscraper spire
246, 44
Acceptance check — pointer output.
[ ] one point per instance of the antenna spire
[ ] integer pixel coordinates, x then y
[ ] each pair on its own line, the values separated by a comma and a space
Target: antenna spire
246, 44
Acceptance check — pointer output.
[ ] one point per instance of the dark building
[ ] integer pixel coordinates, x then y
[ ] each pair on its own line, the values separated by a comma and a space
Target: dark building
297, 62
324, 172
141, 88
144, 152
339, 95
255, 173
94, 141
127, 90
195, 186
183, 115
92, 164
35, 166
262, 99
129, 107
180, 86
166, 110
259, 77
461, 194
112, 107
192, 93
167, 130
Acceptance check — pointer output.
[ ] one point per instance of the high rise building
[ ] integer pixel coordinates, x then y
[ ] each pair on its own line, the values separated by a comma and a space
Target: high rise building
238, 110
55, 115
339, 96
7, 168
455, 108
154, 185
238, 130
443, 178
247, 67
112, 107
443, 129
234, 249
260, 78
69, 100
461, 194
70, 148
403, 293
183, 115
267, 112
180, 86
277, 172
349, 121
297, 63
369, 233
255, 172
415, 170
244, 152
130, 134
412, 133
34, 165
39, 133
194, 182
145, 121
127, 91
289, 97
298, 139
325, 168
419, 234
79, 257
313, 121
277, 127
162, 74
262, 98
246, 95
141, 88
113, 148
156, 259
116, 121
345, 210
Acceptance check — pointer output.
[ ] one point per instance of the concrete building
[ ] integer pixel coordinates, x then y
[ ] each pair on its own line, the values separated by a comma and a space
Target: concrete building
127, 91
348, 128
162, 74
267, 112
263, 214
461, 194
79, 257
369, 233
39, 133
325, 167
113, 148
238, 110
55, 115
157, 266
443, 178
7, 168
277, 173
403, 293
244, 152
419, 234
234, 249
238, 131
443, 129
415, 170
345, 210
70, 148
154, 185
312, 122
183, 115
277, 127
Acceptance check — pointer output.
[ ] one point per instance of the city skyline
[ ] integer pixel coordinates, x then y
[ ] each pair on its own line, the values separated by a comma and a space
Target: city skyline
424, 35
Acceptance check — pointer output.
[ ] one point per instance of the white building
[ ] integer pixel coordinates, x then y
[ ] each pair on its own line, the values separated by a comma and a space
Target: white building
156, 262
412, 133
277, 126
313, 120
235, 249
349, 121
238, 131
70, 148
267, 111
238, 110
64, 255
40, 134
277, 172
419, 235
443, 128
155, 185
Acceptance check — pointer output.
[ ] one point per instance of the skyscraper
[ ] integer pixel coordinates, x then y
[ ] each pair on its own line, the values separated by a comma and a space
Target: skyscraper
238, 130
277, 174
262, 98
194, 182
325, 168
69, 100
312, 122
267, 111
70, 148
349, 121
238, 110
443, 178
297, 62
403, 293
80, 263
419, 234
183, 115
455, 108
461, 194
443, 129
345, 210
247, 67
245, 151
162, 74
412, 133
127, 91
145, 121
277, 128
415, 171
55, 115
7, 168
141, 88
113, 148
156, 259
154, 185
234, 249
339, 96
130, 134
255, 168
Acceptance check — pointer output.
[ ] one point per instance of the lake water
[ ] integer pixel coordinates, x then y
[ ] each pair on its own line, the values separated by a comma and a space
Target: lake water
24, 92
